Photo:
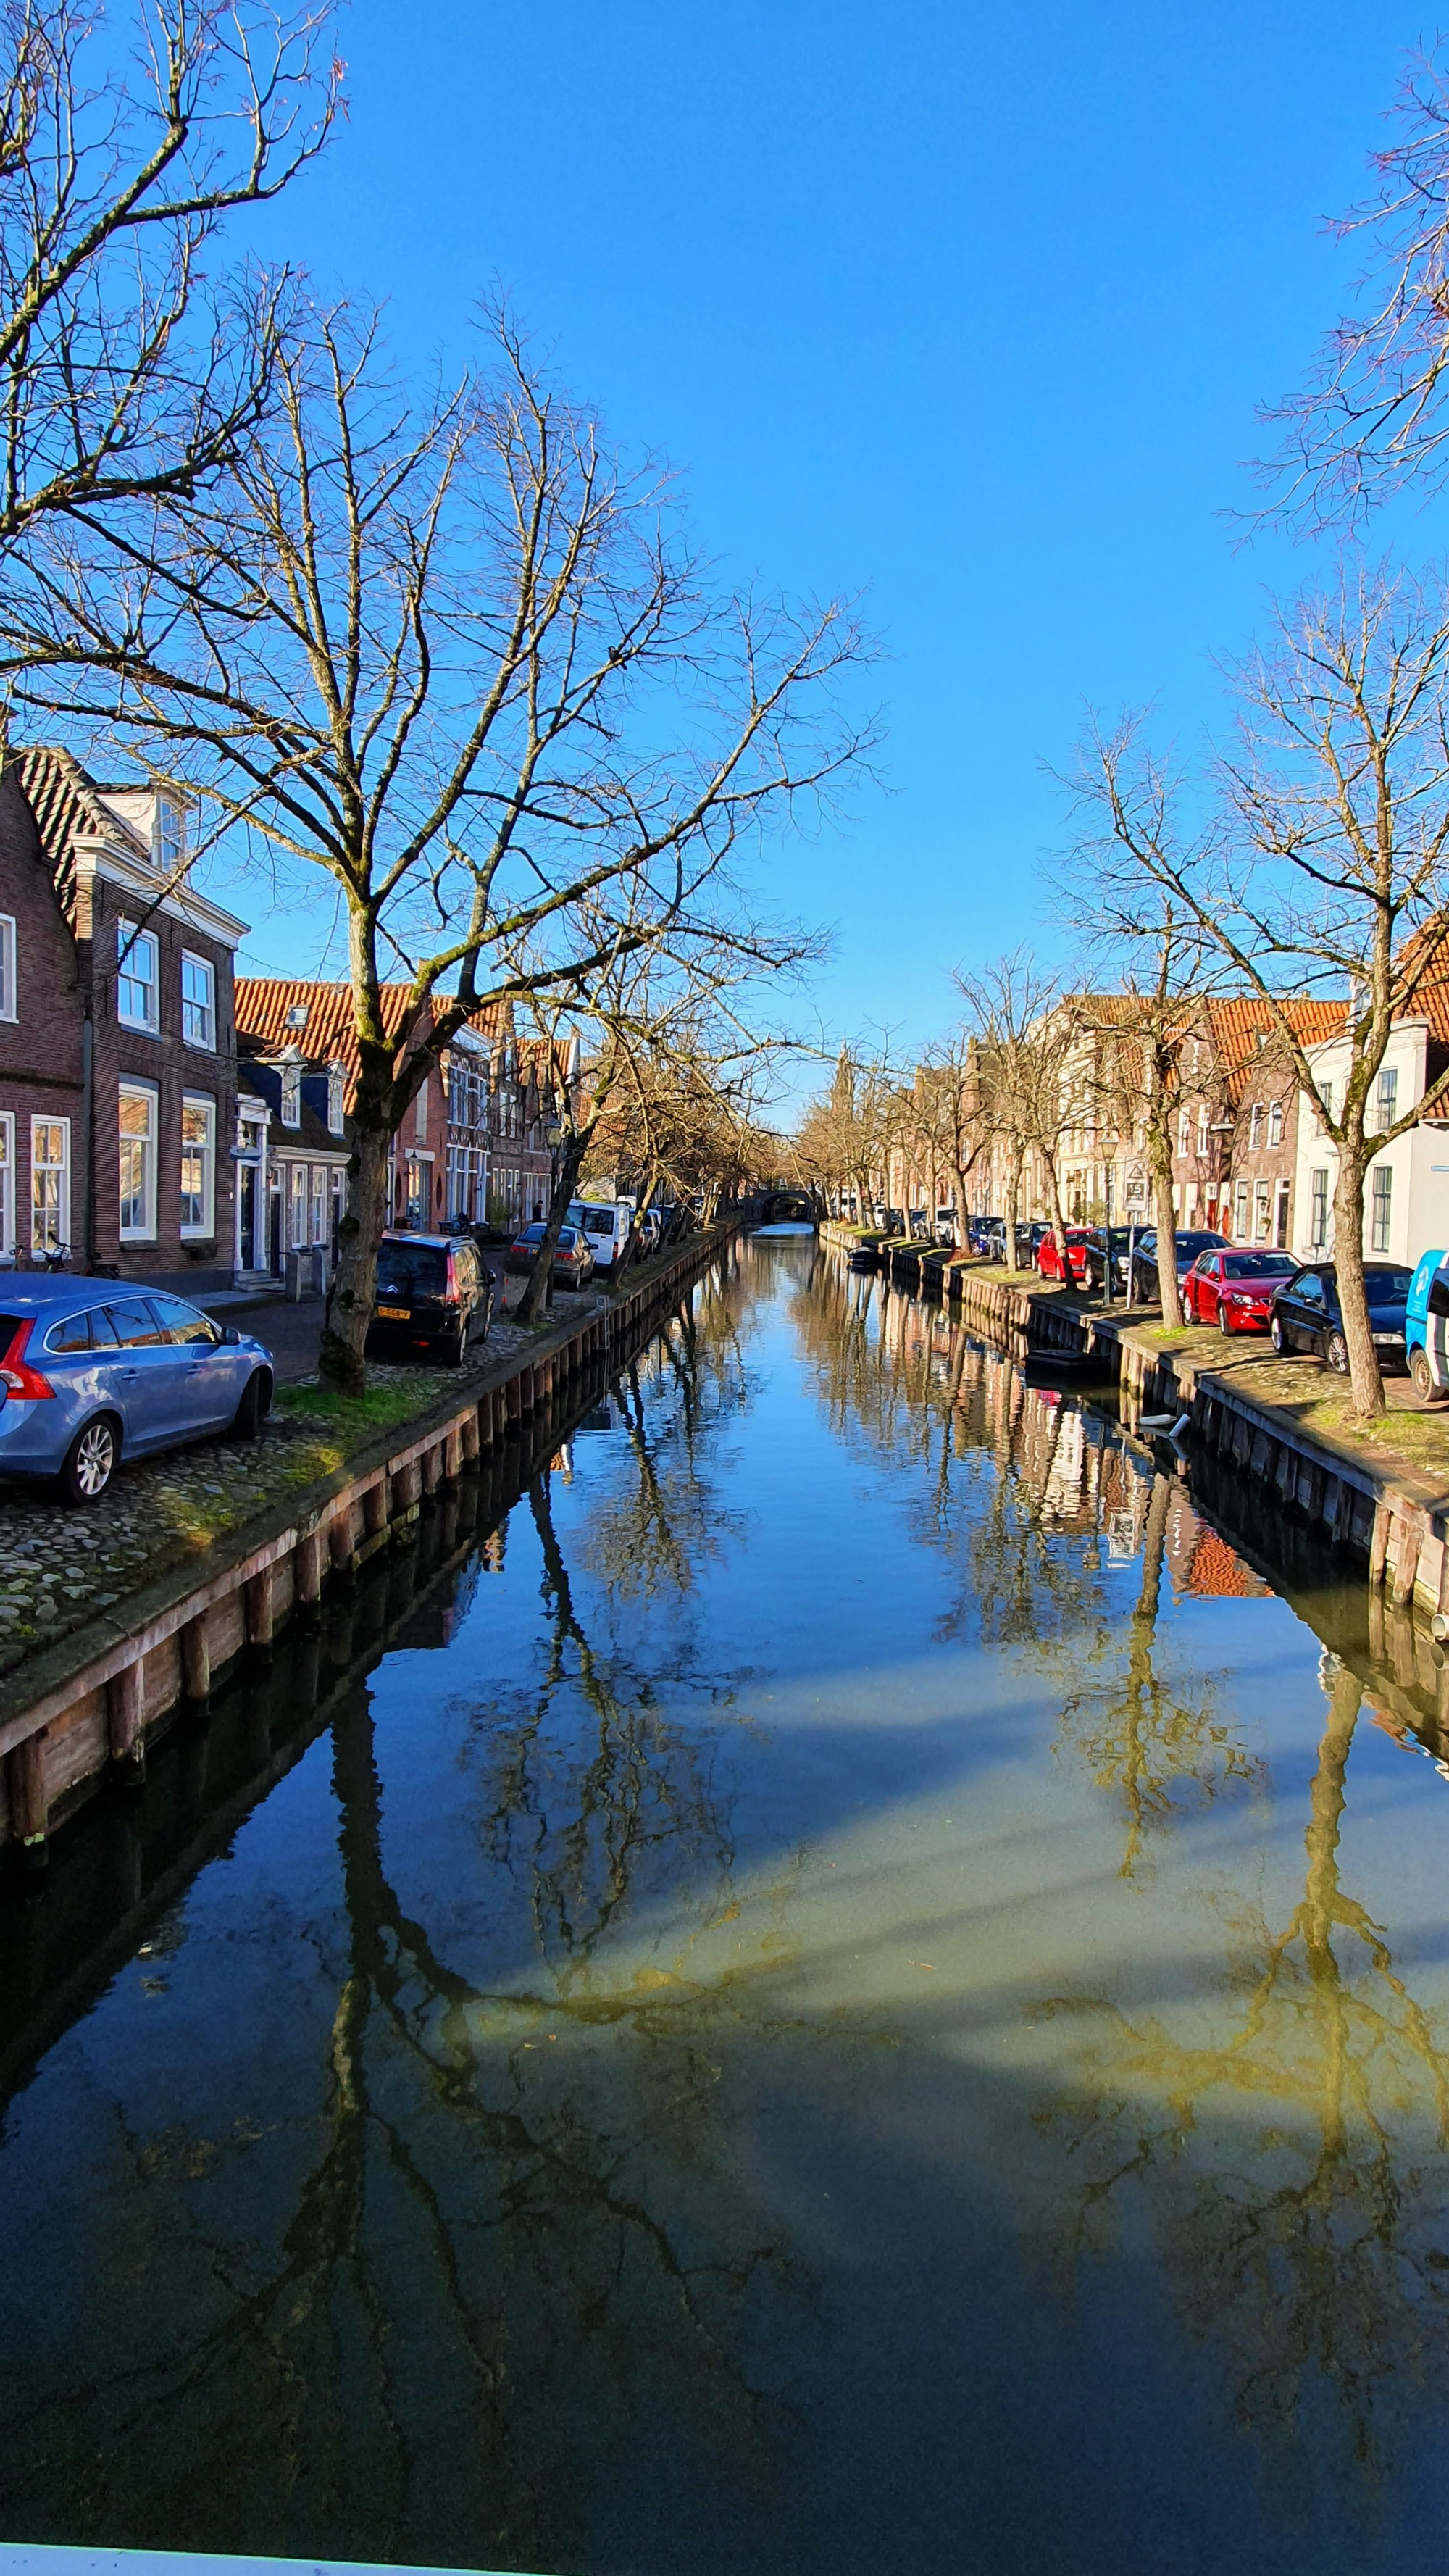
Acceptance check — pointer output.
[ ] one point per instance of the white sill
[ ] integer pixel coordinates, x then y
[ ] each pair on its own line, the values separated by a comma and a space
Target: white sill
198, 1234
200, 1046
139, 1028
137, 1238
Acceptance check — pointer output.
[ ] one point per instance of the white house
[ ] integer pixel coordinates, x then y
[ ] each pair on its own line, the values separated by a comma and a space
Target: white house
1406, 1205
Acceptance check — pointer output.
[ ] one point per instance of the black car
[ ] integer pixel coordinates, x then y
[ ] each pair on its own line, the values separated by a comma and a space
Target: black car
434, 1296
1187, 1246
1307, 1315
1114, 1243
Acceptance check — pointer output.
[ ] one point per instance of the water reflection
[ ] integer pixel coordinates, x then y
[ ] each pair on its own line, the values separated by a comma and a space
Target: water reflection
836, 1922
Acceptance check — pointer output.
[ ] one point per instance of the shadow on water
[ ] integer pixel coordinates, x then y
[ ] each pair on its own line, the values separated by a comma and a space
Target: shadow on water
662, 2035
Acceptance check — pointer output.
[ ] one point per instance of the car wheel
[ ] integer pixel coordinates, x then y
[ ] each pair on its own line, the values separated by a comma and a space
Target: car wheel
1335, 1351
1278, 1337
254, 1407
1224, 1327
90, 1461
1423, 1377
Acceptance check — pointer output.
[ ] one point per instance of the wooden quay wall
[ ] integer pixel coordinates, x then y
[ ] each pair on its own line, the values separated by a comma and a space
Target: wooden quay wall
87, 1710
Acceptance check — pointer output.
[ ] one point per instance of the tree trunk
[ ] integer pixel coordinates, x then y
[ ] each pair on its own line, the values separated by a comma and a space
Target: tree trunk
1364, 1376
340, 1362
538, 1295
1165, 1218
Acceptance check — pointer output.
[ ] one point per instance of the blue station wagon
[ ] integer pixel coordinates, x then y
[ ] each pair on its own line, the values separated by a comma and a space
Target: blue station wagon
90, 1371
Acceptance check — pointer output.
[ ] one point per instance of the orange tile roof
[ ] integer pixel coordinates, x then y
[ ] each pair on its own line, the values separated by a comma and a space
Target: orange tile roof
328, 1035
1238, 1019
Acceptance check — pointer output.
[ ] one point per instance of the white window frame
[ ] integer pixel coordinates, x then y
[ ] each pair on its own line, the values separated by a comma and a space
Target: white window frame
190, 1009
1381, 1207
1262, 1212
336, 1100
337, 1188
204, 1231
130, 944
1184, 1122
297, 1206
146, 1091
1386, 1097
291, 1095
9, 998
1275, 1123
1318, 1209
420, 1123
1255, 1126
319, 1203
7, 1184
168, 835
38, 1236
1240, 1213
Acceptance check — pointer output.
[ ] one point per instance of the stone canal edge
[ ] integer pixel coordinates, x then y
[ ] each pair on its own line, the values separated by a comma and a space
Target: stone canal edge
1374, 1507
85, 1709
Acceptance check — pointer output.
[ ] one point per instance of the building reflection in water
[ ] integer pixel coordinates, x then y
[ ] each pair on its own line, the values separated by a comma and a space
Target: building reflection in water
449, 2172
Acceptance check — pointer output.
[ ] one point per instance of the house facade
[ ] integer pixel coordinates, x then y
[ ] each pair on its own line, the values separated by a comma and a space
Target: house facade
117, 1044
1406, 1205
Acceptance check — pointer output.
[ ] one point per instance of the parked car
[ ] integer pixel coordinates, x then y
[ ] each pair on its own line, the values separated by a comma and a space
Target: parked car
1109, 1245
573, 1262
91, 1372
1049, 1259
1188, 1245
605, 1227
434, 1294
1234, 1289
1307, 1315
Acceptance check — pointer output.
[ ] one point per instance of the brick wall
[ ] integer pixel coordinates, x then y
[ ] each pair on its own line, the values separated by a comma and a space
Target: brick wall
171, 1067
41, 1049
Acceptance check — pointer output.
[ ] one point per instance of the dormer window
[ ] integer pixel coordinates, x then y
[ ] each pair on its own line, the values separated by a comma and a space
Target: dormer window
169, 837
296, 1015
336, 1100
291, 1095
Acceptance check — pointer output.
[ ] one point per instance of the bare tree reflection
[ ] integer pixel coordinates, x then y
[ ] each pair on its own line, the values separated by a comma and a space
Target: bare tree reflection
1305, 2244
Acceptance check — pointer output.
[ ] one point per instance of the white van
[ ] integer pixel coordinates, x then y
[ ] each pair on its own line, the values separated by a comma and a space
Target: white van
605, 1229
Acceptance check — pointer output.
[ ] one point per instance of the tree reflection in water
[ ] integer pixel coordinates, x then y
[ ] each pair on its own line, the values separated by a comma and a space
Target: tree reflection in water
1304, 2246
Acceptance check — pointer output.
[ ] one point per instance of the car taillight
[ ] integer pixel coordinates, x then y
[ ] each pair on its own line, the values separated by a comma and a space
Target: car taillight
16, 1373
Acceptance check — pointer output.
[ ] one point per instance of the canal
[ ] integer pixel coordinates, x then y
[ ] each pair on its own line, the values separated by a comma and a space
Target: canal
858, 1984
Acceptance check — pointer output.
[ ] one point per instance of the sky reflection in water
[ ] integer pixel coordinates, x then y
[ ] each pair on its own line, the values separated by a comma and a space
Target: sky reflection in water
869, 1997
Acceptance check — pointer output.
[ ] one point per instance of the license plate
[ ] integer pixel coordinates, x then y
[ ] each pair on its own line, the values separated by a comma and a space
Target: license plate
394, 1314
1387, 1341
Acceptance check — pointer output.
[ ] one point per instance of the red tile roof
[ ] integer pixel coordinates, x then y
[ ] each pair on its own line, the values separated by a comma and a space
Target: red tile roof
327, 1035
1239, 1019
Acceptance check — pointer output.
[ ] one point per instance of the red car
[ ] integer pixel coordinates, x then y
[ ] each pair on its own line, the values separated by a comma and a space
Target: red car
1049, 1260
1234, 1289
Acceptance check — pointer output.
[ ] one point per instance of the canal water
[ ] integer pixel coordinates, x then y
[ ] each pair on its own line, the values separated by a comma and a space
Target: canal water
853, 1987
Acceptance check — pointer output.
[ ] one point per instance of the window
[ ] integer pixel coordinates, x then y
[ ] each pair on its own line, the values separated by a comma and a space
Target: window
1182, 1128
421, 1130
1388, 1100
319, 1202
1275, 1123
297, 1231
7, 1185
1318, 1211
170, 836
291, 1095
137, 1118
1381, 1208
336, 1100
339, 1200
1280, 1230
198, 1001
49, 1184
137, 1004
1262, 1212
1240, 1218
1255, 1127
417, 1190
198, 1166
9, 1007
185, 1324
135, 1323
1325, 1093
1202, 1128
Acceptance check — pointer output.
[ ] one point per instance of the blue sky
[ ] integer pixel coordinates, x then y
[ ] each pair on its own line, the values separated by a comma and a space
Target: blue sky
967, 308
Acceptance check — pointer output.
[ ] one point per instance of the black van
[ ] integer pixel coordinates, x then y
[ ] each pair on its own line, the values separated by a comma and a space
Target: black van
434, 1297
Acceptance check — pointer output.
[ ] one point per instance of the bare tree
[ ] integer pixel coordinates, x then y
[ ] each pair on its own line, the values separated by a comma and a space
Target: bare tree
1328, 866
129, 368
1371, 420
1024, 1034
462, 661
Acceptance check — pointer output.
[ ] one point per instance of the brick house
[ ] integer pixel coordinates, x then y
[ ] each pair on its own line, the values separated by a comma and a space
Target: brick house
1235, 1125
472, 1144
117, 1052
